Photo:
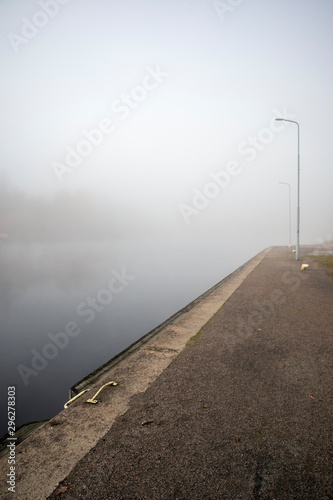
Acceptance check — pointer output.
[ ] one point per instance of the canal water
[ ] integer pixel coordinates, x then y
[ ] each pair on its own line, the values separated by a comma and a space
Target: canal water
67, 308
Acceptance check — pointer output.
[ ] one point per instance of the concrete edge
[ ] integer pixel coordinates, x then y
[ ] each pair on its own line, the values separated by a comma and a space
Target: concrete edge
46, 457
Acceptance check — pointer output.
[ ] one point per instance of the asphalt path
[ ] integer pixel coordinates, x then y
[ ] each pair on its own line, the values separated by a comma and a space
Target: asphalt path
243, 412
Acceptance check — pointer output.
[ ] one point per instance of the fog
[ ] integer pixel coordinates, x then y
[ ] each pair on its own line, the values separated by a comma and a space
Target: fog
142, 136
182, 89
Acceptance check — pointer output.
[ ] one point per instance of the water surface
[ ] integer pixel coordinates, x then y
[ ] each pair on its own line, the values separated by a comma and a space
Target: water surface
48, 287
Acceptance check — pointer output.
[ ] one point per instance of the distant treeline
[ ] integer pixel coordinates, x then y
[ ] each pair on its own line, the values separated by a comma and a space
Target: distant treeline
63, 216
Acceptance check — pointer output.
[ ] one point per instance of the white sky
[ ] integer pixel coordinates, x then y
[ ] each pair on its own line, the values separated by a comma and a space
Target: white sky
226, 74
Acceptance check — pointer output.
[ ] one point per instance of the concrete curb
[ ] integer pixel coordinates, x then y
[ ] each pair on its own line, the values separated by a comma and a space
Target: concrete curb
47, 457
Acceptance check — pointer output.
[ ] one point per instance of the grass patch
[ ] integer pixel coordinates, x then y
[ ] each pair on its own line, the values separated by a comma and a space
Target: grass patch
326, 261
194, 338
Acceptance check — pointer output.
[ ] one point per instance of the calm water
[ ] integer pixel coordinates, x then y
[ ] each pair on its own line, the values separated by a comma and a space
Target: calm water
48, 288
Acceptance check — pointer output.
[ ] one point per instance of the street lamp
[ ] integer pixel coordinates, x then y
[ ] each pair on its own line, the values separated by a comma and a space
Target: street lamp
298, 184
286, 183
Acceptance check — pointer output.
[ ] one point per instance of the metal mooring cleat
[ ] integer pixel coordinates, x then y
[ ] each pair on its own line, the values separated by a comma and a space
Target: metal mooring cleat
93, 400
74, 398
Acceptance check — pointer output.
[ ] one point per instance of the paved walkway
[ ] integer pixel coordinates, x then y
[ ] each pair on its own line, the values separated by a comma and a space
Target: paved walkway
243, 412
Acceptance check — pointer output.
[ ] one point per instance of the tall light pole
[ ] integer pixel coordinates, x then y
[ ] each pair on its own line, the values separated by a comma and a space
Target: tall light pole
298, 184
286, 183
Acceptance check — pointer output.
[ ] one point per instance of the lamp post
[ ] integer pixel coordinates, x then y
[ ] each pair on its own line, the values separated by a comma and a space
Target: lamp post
286, 183
298, 183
